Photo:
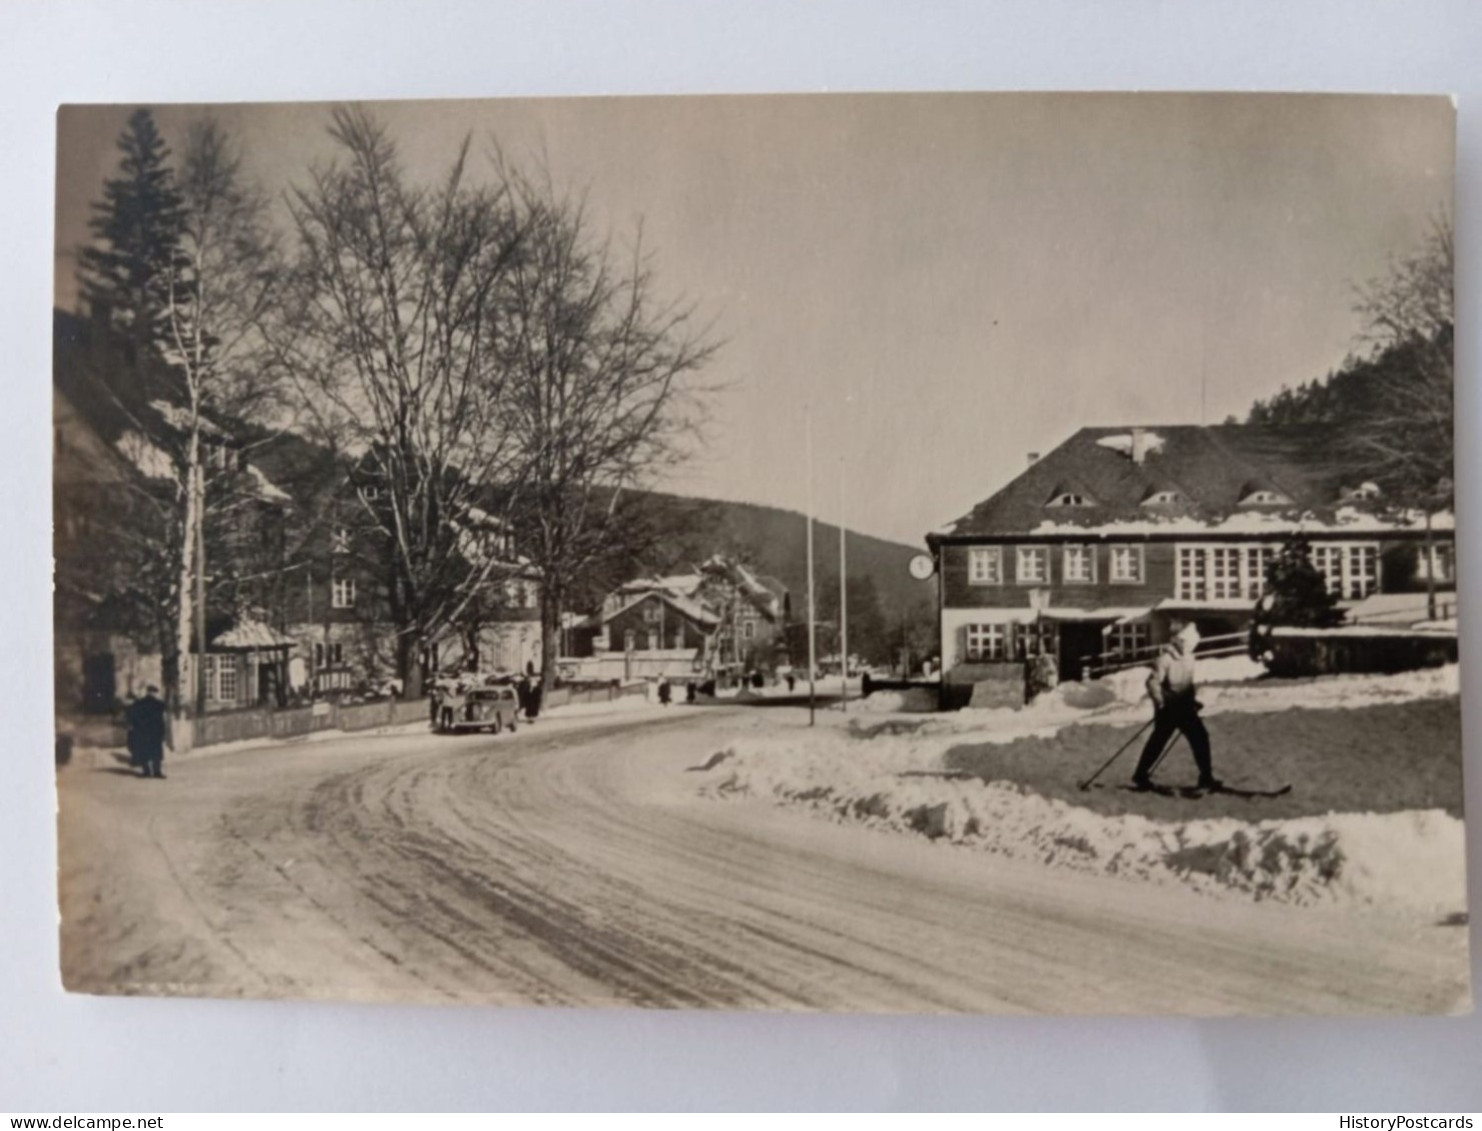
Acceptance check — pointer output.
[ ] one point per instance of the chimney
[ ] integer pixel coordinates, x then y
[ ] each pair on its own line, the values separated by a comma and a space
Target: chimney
1139, 449
1033, 457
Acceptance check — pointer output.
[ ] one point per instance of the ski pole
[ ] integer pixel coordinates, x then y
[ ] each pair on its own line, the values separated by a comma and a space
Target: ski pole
1120, 750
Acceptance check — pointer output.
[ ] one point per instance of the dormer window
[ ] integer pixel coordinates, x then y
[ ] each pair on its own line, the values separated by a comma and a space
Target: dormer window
1069, 499
1361, 493
339, 540
1265, 497
1163, 499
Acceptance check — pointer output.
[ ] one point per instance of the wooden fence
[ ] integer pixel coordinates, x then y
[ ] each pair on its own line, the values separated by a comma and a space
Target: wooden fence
295, 722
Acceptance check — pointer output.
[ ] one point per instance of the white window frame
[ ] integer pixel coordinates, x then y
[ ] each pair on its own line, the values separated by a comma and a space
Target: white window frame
985, 565
1350, 569
1031, 553
1129, 639
342, 593
1266, 498
1439, 564
1085, 552
985, 643
1069, 499
1138, 555
1221, 571
225, 678
1163, 499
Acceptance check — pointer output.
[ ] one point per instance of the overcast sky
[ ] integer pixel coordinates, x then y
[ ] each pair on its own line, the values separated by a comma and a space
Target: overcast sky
950, 281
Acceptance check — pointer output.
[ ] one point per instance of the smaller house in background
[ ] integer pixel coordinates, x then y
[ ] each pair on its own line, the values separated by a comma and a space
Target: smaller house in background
720, 615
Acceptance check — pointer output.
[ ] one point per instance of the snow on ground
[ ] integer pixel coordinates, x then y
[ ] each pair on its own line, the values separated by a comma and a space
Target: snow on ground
887, 770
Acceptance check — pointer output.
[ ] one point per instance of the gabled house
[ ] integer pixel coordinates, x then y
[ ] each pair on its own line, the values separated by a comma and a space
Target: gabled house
1098, 546
719, 615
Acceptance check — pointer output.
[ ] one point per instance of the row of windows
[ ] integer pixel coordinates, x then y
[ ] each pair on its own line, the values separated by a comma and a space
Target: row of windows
1078, 564
989, 642
1204, 572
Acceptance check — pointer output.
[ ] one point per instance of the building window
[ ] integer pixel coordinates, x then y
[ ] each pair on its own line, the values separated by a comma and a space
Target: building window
1033, 565
1351, 569
1079, 564
1038, 638
339, 540
985, 642
1162, 499
1069, 499
1439, 565
985, 566
221, 678
1126, 564
342, 593
650, 641
1129, 639
1258, 560
1222, 573
748, 630
1265, 498
336, 655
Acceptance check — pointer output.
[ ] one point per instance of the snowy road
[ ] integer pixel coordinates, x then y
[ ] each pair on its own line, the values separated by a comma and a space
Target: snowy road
574, 864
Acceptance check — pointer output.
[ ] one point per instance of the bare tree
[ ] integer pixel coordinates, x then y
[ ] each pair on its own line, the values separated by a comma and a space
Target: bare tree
1405, 433
221, 281
388, 335
599, 388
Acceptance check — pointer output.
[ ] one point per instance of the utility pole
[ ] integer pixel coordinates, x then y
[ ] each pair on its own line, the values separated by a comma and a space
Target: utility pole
199, 534
843, 595
812, 666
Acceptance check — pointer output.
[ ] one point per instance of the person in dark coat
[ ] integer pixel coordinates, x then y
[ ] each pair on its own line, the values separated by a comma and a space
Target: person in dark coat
147, 725
665, 691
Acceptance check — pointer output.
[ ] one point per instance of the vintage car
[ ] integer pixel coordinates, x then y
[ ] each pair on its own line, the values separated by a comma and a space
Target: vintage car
478, 708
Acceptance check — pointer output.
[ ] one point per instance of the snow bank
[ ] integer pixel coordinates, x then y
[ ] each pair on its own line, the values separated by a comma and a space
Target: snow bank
1406, 861
912, 701
888, 771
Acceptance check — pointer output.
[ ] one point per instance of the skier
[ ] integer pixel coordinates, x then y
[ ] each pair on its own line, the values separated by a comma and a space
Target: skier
1175, 708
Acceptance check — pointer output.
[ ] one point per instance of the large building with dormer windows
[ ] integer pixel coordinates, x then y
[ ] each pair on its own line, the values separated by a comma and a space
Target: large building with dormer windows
1100, 545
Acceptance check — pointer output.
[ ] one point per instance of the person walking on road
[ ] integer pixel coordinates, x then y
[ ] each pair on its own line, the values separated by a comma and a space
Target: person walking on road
146, 718
1176, 710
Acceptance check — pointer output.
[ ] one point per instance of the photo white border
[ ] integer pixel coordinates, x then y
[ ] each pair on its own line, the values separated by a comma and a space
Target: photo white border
90, 1054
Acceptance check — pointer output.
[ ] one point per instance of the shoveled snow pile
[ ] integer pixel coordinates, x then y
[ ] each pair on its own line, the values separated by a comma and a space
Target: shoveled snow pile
913, 701
1409, 860
889, 773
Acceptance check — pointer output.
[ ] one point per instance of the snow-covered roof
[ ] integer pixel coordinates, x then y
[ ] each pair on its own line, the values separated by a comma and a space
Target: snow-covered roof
1290, 480
147, 458
685, 605
250, 635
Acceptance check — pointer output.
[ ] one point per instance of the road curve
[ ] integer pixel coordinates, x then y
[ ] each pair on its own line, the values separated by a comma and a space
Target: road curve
577, 866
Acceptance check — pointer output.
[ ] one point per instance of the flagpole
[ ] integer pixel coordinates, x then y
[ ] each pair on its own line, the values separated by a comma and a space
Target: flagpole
843, 595
812, 666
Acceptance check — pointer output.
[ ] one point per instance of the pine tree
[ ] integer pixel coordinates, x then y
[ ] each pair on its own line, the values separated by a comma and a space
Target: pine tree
136, 227
1297, 595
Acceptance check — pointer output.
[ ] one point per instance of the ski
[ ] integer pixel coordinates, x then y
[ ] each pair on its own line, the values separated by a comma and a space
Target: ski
1194, 793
